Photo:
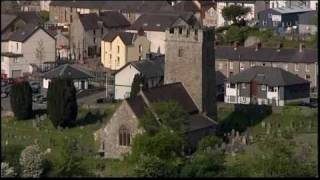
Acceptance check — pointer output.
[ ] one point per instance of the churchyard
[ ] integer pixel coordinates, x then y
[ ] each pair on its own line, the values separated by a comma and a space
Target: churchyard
244, 133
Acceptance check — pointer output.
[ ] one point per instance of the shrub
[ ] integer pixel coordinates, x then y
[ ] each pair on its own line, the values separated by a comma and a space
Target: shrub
62, 102
21, 100
32, 162
209, 142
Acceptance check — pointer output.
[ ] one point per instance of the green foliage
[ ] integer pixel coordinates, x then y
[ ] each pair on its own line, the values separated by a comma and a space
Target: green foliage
152, 166
11, 154
207, 163
62, 103
233, 12
165, 144
69, 163
44, 15
32, 162
21, 100
234, 34
135, 87
209, 142
170, 113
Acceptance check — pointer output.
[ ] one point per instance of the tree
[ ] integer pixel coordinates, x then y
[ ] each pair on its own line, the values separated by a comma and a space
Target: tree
170, 114
40, 52
233, 12
208, 163
135, 87
209, 142
6, 170
234, 34
69, 163
32, 162
21, 100
62, 102
44, 15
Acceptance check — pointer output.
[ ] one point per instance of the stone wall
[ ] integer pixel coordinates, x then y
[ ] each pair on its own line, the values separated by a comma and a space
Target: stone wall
123, 116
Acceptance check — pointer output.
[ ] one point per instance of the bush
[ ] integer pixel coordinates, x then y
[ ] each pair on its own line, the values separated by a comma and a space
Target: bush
209, 142
62, 102
21, 100
32, 162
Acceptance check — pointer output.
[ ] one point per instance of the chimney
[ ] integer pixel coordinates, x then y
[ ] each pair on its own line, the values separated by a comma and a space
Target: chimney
258, 46
301, 47
280, 45
235, 45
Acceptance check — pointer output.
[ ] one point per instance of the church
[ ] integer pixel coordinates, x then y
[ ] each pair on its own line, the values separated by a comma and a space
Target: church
189, 77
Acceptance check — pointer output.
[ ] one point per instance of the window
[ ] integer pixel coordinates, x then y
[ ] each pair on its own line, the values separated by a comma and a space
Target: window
118, 61
232, 85
94, 32
139, 58
243, 85
124, 136
71, 18
231, 65
307, 76
118, 49
171, 30
263, 87
263, 64
296, 67
140, 48
180, 30
180, 52
241, 66
272, 89
307, 68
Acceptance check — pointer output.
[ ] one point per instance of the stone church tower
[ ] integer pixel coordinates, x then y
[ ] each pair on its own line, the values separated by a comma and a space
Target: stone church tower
190, 60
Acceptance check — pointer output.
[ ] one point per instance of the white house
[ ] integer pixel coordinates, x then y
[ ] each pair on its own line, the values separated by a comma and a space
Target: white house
151, 70
27, 46
79, 76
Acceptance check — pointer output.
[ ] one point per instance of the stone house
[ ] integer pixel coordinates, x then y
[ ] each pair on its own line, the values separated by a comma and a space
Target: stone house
300, 61
154, 26
87, 30
266, 85
151, 69
117, 134
119, 48
25, 47
79, 76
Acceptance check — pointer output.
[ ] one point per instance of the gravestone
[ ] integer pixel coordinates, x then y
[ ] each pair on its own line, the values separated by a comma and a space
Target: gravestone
263, 124
244, 140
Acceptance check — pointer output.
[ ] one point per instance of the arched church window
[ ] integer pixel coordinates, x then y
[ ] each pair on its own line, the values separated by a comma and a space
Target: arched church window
124, 136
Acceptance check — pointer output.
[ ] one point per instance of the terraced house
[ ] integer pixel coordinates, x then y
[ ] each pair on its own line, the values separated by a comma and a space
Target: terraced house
266, 85
300, 61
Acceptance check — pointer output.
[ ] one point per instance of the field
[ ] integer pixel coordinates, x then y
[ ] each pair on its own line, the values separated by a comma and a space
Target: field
296, 123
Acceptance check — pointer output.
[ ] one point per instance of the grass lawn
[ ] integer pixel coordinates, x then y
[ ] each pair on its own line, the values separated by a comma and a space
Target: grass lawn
19, 134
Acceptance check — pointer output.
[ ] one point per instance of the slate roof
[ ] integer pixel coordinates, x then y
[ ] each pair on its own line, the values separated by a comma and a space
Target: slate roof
267, 75
126, 37
30, 17
292, 9
186, 6
6, 20
113, 19
267, 54
155, 22
309, 18
150, 68
67, 70
22, 34
175, 92
172, 92
220, 78
89, 21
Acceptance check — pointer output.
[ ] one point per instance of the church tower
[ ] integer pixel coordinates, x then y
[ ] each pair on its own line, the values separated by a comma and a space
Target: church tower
190, 60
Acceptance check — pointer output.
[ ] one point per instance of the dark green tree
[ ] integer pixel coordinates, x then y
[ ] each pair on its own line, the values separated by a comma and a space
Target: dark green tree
233, 12
21, 100
234, 34
44, 16
62, 102
135, 88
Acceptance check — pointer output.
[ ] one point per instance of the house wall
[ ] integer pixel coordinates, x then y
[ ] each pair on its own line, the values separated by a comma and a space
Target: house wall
123, 81
9, 64
117, 59
77, 83
30, 46
133, 51
77, 34
110, 135
304, 69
